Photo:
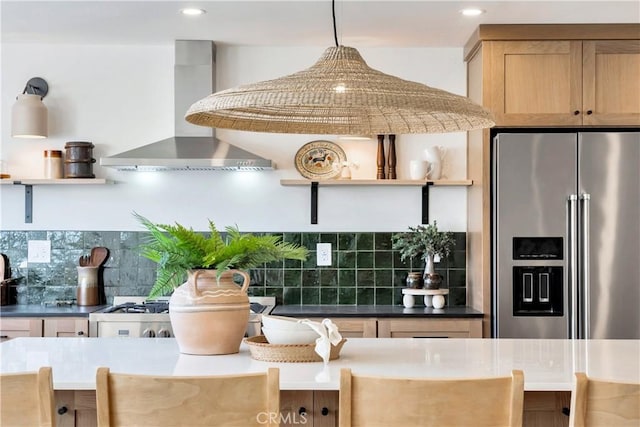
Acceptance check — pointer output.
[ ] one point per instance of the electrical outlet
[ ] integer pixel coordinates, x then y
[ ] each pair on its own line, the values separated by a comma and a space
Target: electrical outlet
39, 251
323, 254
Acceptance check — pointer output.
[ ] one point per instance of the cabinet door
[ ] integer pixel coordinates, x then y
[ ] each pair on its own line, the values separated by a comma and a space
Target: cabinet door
66, 327
325, 408
76, 408
430, 328
296, 407
611, 89
354, 327
536, 83
13, 327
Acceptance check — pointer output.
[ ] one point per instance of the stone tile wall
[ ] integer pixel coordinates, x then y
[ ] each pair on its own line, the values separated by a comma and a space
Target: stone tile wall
365, 270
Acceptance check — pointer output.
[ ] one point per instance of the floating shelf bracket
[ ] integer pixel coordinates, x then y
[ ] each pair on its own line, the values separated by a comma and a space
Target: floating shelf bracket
28, 203
314, 202
425, 202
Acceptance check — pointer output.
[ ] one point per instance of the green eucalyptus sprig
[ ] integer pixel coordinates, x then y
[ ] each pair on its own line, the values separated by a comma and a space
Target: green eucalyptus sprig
421, 241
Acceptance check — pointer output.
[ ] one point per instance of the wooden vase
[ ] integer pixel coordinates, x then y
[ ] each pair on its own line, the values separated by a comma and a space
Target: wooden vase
210, 315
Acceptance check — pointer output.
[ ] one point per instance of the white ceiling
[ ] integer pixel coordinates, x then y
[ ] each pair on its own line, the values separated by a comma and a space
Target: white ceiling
288, 23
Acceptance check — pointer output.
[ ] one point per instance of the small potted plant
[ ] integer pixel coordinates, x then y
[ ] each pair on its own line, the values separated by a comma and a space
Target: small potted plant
209, 312
424, 242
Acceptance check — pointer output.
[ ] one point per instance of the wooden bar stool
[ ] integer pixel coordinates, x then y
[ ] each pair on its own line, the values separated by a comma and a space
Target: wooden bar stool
600, 403
228, 400
26, 399
404, 402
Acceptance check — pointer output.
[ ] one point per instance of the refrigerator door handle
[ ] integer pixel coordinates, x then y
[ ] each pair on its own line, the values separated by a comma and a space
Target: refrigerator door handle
572, 233
585, 200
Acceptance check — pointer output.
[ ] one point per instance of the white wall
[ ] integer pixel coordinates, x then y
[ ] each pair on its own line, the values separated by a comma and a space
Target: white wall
121, 97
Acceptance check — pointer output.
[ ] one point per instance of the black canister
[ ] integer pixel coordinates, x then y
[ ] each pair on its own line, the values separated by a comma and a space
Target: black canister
78, 162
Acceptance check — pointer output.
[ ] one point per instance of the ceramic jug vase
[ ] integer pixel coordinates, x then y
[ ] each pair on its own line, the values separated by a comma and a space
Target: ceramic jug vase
210, 316
435, 156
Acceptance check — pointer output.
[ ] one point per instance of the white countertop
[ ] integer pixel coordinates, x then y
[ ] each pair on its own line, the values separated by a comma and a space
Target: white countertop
547, 364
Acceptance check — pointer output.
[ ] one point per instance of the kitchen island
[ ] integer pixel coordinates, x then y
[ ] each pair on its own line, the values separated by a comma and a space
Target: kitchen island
548, 365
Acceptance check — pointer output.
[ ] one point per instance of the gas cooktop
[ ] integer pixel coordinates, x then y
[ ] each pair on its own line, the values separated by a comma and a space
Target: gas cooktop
133, 316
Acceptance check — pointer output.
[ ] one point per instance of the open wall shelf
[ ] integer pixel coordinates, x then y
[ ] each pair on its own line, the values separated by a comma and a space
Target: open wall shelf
30, 182
372, 182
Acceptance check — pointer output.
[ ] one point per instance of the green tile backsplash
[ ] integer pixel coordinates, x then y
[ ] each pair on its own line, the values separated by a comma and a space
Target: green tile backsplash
365, 269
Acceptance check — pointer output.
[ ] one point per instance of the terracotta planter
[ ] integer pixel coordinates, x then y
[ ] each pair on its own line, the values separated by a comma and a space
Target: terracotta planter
210, 316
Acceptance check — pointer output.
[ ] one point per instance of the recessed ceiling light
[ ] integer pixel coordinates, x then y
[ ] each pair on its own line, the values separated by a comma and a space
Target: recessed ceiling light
192, 11
472, 12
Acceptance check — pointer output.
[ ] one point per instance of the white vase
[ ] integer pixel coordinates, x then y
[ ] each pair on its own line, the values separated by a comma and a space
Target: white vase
431, 279
435, 156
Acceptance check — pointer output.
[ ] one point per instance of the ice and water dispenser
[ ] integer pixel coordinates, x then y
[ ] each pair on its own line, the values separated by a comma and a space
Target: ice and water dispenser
538, 287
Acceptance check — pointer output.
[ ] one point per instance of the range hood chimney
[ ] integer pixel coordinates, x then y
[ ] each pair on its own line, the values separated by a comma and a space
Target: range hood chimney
193, 147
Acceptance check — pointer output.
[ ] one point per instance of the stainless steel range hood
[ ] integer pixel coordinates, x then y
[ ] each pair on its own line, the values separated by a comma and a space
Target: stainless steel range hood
193, 147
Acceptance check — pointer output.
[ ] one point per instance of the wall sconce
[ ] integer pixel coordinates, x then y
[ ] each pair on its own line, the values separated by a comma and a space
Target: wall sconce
29, 114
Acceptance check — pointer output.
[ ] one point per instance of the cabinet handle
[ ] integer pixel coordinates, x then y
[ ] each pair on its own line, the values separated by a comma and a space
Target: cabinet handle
80, 333
302, 410
589, 112
575, 113
325, 411
4, 337
62, 410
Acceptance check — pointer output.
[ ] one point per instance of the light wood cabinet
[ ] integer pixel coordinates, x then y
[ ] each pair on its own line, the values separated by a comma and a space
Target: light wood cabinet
354, 327
564, 83
430, 328
311, 408
76, 408
546, 408
535, 82
539, 76
13, 327
611, 82
66, 327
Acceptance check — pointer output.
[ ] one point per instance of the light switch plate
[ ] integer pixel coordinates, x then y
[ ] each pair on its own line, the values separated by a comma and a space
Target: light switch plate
323, 254
39, 251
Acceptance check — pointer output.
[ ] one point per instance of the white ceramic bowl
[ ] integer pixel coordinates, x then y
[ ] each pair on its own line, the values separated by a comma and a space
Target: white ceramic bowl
284, 336
282, 322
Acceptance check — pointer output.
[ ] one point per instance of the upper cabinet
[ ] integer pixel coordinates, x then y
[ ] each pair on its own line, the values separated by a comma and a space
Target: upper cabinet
611, 81
558, 75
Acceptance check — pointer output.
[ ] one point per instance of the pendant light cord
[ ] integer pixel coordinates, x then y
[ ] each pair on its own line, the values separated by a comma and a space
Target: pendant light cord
333, 11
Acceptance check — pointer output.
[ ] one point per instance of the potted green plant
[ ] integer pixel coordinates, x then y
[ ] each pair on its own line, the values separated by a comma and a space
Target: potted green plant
209, 312
424, 242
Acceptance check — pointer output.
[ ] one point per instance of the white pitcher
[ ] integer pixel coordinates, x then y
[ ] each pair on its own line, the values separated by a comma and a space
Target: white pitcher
435, 156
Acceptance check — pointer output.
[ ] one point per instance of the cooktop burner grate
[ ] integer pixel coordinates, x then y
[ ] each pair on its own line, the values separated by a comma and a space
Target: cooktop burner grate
145, 307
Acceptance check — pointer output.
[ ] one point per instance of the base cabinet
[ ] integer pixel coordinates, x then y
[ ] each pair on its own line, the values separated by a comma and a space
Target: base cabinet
66, 327
76, 408
316, 408
309, 408
14, 327
546, 408
429, 328
354, 327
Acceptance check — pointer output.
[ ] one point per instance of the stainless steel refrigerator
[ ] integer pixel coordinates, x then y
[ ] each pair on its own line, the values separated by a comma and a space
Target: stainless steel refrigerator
566, 235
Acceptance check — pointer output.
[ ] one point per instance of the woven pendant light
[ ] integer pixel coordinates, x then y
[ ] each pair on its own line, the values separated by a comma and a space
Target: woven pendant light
340, 94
